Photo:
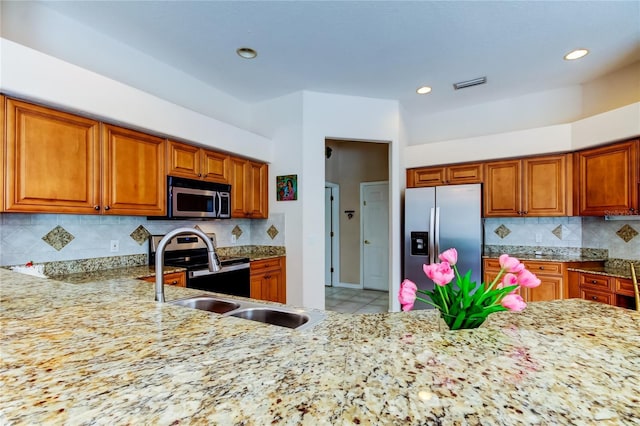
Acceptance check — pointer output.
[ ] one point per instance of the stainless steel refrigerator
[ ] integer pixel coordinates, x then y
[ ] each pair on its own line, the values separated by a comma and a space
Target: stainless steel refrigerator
439, 218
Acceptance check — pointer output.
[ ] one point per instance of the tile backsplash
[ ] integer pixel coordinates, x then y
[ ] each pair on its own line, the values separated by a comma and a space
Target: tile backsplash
57, 237
620, 238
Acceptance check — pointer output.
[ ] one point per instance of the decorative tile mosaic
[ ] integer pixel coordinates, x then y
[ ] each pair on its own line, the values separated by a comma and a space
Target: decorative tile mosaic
627, 233
236, 231
502, 231
58, 237
272, 231
557, 231
140, 235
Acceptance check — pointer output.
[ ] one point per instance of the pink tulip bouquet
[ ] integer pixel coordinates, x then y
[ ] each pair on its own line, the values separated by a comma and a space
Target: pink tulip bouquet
467, 305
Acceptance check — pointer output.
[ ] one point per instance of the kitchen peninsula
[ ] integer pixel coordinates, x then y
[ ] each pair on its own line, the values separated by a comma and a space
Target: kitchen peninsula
104, 352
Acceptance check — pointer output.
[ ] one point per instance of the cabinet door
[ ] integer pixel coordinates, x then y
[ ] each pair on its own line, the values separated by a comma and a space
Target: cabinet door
52, 160
550, 288
545, 186
215, 166
257, 197
2, 150
425, 176
464, 173
134, 174
502, 188
238, 187
183, 160
607, 180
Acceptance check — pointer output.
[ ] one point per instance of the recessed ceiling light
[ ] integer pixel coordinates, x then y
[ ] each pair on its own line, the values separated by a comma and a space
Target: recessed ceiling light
576, 54
246, 52
423, 90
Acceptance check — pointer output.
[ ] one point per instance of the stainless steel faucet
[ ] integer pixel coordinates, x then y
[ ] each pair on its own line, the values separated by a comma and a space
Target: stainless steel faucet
211, 250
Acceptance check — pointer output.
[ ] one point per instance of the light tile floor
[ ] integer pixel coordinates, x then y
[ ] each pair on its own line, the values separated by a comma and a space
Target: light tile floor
355, 301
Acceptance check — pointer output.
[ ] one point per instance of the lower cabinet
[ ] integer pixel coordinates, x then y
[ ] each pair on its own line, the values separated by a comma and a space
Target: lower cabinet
607, 289
268, 279
172, 278
551, 274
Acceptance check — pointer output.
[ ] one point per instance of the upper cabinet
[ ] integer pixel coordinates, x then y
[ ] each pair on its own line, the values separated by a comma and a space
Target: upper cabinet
537, 186
133, 173
53, 160
249, 189
444, 175
2, 150
62, 163
607, 180
197, 163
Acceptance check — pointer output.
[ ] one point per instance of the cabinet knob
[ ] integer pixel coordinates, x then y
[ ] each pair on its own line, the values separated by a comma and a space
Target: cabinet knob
174, 282
594, 297
107, 207
594, 282
199, 174
525, 212
542, 267
96, 207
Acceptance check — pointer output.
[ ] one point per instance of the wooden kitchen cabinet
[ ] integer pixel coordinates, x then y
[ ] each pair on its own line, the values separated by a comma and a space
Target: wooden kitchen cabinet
52, 159
2, 150
268, 279
607, 180
444, 175
63, 163
133, 172
249, 189
536, 186
193, 162
178, 279
552, 275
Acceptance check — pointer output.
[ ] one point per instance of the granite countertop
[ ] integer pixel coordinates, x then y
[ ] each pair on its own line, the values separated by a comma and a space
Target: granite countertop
548, 257
84, 354
604, 270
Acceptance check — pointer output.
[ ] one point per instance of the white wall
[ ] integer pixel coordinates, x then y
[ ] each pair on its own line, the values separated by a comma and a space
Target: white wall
351, 118
614, 125
503, 116
27, 73
281, 120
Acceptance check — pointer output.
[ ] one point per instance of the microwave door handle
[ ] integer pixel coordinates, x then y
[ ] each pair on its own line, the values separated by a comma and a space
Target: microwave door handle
218, 205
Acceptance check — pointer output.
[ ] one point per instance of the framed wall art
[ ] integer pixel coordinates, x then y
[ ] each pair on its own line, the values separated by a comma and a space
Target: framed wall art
287, 188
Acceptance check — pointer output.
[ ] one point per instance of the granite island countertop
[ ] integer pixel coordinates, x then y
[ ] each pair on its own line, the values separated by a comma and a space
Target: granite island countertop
81, 354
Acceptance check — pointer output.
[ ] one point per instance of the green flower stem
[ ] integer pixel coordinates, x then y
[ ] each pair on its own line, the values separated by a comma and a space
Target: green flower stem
444, 297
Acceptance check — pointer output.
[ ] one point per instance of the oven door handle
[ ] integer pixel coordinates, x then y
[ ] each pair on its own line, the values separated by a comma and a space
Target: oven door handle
229, 268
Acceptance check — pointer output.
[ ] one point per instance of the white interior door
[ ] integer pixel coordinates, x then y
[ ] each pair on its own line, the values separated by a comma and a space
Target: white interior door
374, 266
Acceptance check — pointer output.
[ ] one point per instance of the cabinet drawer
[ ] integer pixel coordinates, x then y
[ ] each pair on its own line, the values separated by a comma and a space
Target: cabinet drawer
173, 278
549, 268
597, 282
258, 266
597, 296
624, 286
492, 264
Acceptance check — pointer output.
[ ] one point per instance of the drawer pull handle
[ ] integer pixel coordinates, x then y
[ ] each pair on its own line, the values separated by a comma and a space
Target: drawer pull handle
542, 267
594, 297
594, 282
174, 282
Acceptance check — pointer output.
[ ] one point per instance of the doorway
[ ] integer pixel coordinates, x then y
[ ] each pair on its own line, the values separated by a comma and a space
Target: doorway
348, 165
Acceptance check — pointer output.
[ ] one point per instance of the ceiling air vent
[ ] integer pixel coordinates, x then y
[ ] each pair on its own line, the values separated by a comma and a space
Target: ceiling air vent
469, 83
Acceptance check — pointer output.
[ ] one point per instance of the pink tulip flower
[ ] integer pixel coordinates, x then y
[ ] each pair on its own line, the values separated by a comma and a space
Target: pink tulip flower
407, 294
513, 302
509, 279
528, 279
440, 273
510, 264
450, 256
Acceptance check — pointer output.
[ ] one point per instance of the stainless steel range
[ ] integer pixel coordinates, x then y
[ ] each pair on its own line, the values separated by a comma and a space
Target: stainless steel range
190, 252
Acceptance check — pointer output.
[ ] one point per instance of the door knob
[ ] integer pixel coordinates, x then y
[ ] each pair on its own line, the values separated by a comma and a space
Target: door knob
367, 242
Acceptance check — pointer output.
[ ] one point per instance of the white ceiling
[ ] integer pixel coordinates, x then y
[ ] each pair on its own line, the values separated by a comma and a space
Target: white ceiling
379, 49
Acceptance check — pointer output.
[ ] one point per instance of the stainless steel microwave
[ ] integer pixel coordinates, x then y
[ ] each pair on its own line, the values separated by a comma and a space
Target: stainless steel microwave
188, 198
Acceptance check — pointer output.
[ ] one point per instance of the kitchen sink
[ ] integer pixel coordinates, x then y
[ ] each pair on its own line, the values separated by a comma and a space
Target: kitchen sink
281, 316
272, 316
206, 303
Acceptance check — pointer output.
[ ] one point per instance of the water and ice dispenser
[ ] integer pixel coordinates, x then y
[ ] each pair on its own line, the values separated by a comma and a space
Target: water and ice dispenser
419, 243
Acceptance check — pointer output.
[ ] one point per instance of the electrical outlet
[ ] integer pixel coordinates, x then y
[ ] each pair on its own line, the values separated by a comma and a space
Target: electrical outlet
233, 238
115, 245
538, 237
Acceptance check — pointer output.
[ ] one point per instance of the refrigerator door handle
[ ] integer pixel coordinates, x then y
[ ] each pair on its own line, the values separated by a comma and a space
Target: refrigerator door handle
432, 221
436, 238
